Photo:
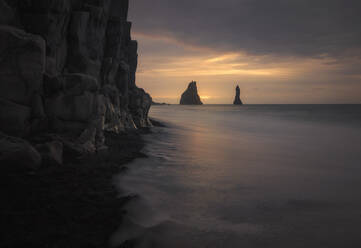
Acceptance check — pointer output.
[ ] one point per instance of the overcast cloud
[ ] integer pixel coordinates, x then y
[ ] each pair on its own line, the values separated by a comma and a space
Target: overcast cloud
284, 27
315, 39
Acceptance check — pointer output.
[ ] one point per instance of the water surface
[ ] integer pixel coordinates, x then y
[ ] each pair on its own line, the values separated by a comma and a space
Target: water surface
249, 176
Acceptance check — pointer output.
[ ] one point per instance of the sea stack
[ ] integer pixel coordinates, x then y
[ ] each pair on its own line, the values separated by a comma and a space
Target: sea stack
190, 96
237, 99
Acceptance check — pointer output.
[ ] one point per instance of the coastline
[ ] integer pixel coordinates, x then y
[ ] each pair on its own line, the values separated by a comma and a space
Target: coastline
73, 205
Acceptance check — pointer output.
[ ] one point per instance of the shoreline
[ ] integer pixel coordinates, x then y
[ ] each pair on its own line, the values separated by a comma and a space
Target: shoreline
73, 205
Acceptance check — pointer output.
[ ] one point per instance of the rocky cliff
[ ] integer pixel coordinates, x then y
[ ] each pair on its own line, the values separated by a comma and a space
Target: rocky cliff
190, 96
67, 70
237, 99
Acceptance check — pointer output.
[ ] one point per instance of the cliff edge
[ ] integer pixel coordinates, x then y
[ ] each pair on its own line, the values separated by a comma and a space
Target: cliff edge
67, 74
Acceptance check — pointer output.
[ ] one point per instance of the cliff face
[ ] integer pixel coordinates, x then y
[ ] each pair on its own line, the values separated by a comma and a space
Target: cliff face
68, 67
237, 99
190, 96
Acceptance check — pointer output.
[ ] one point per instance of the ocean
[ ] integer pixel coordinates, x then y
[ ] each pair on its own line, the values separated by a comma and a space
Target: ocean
247, 176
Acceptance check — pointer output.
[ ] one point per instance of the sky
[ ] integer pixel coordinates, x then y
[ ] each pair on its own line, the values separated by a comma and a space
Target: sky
279, 51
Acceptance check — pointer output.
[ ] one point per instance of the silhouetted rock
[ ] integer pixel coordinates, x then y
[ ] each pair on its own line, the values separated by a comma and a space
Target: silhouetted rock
237, 99
158, 103
190, 96
68, 67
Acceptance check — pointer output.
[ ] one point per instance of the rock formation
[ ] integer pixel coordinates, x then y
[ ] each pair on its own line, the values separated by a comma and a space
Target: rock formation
190, 96
67, 67
237, 99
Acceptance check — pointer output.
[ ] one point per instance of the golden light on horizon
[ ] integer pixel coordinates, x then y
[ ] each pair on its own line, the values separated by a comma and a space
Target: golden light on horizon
263, 79
221, 64
205, 97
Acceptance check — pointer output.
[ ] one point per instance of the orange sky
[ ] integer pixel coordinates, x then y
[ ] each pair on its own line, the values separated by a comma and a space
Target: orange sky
166, 74
276, 51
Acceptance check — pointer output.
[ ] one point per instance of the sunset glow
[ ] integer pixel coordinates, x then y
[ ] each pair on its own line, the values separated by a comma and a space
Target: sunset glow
167, 63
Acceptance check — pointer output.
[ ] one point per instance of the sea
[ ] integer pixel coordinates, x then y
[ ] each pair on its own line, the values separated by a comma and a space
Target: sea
246, 176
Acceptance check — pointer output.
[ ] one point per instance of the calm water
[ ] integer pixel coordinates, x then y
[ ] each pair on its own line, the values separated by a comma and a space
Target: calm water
250, 176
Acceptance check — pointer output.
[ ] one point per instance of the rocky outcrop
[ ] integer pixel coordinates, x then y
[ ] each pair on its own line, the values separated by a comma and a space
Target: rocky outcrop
68, 67
190, 96
237, 99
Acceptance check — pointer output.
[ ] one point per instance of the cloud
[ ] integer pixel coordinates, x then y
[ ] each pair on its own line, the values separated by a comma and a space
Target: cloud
279, 27
278, 51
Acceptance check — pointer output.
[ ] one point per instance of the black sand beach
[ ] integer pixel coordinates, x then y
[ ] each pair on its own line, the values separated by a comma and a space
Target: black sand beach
74, 205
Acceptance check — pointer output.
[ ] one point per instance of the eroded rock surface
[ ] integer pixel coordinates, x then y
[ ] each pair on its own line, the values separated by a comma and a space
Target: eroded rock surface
68, 67
190, 96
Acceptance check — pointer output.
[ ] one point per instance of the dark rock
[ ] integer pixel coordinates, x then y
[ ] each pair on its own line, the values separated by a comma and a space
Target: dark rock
133, 61
22, 64
237, 99
7, 16
37, 107
79, 60
119, 9
140, 103
14, 118
49, 19
190, 96
157, 123
18, 152
70, 71
77, 83
158, 103
53, 85
70, 107
51, 153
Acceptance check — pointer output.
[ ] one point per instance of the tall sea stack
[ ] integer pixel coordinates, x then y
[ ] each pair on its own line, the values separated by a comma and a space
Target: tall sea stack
190, 96
237, 99
67, 68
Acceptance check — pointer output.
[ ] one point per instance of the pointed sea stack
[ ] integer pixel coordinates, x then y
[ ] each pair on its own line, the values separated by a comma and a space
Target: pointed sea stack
237, 99
190, 96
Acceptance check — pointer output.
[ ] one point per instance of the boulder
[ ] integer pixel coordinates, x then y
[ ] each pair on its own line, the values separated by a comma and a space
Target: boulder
237, 99
22, 64
190, 96
83, 145
51, 153
18, 152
